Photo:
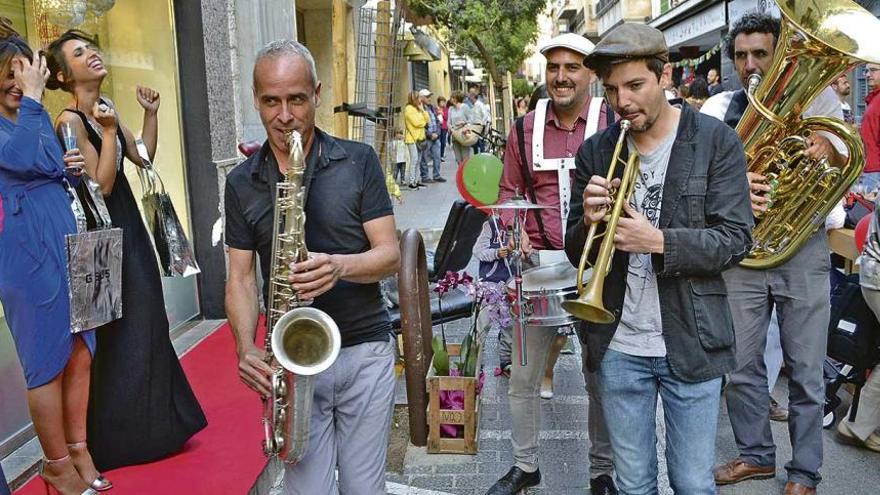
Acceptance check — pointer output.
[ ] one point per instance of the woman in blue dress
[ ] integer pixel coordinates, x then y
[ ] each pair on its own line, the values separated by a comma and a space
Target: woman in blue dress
35, 216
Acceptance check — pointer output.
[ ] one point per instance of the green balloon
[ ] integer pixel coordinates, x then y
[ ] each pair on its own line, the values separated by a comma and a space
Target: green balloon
479, 177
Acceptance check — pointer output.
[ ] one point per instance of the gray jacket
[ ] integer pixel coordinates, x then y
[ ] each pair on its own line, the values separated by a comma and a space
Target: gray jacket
706, 219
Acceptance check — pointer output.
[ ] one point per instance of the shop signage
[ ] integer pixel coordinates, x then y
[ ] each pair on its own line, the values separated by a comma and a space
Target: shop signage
737, 8
689, 28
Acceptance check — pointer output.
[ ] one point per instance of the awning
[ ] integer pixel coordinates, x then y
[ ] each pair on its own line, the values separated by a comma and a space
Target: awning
421, 47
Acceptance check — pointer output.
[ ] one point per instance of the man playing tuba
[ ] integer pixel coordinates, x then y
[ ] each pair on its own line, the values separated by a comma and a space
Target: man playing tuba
798, 290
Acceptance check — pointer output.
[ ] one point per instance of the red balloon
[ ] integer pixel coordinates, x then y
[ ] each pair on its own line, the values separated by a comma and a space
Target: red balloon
861, 231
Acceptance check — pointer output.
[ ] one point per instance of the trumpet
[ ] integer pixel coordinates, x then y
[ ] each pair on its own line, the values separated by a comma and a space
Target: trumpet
588, 305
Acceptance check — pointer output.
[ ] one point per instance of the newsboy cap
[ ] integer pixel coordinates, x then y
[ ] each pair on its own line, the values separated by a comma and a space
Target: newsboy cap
570, 41
629, 41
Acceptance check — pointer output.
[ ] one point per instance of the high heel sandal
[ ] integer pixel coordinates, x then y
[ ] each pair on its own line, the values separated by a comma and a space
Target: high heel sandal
49, 486
100, 483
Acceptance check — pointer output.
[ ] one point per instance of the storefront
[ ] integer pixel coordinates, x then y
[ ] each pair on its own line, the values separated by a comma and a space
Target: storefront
139, 42
694, 32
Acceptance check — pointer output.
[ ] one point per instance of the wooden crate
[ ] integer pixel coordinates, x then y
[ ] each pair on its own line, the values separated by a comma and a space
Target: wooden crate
469, 417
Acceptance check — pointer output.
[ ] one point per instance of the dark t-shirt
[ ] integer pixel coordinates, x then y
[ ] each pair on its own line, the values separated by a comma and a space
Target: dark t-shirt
345, 189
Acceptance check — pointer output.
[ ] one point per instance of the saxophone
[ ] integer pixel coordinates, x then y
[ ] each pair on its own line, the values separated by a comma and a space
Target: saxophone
300, 341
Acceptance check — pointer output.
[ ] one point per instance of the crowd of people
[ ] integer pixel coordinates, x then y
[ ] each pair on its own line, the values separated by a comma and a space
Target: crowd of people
428, 129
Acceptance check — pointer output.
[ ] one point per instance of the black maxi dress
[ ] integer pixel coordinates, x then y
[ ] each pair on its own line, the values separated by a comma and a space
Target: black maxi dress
141, 406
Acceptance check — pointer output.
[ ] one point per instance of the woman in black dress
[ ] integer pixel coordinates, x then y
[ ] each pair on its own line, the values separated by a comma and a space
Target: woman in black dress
141, 406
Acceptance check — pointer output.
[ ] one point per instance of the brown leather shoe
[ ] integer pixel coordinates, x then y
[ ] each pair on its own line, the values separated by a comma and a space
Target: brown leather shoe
792, 488
739, 470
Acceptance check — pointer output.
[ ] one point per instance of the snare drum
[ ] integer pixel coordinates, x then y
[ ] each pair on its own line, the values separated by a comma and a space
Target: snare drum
544, 288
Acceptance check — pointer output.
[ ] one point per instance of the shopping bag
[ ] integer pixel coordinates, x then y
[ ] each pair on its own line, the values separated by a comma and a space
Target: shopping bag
176, 257
94, 262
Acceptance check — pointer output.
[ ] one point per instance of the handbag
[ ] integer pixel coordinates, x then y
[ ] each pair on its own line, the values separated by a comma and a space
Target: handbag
94, 262
175, 253
467, 135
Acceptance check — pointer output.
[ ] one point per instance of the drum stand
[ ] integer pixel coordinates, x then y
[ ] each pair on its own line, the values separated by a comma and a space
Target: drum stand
517, 255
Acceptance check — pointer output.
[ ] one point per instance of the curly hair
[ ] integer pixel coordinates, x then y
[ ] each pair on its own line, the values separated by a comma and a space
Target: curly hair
55, 58
752, 22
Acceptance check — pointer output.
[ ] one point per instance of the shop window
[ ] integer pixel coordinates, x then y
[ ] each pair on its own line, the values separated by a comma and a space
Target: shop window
420, 76
139, 45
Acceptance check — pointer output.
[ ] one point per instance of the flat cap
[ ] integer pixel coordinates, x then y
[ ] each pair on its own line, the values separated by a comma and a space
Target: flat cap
630, 40
570, 41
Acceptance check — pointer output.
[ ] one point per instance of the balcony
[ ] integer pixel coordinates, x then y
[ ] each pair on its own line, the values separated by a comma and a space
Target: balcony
567, 10
604, 5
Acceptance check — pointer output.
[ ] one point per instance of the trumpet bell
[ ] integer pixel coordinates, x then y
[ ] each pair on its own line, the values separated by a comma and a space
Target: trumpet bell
306, 341
588, 310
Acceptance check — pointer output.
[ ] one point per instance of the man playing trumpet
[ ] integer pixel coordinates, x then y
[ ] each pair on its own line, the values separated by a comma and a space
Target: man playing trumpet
688, 220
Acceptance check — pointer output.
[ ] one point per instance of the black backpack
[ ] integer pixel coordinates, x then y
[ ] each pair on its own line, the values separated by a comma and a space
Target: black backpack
853, 330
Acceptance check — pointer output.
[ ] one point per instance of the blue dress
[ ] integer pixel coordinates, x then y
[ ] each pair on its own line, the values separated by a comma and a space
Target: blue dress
35, 215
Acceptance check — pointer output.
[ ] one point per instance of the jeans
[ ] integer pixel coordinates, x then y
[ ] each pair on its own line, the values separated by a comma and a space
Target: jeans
4, 488
629, 386
414, 154
430, 152
868, 416
867, 183
444, 137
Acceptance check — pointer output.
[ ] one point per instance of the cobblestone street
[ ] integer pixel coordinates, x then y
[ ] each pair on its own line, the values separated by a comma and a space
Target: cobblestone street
563, 447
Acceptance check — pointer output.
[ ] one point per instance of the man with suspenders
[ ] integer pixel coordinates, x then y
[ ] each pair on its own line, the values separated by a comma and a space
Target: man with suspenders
539, 163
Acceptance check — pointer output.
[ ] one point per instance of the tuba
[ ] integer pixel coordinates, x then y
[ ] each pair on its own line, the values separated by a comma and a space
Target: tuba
300, 341
818, 40
588, 306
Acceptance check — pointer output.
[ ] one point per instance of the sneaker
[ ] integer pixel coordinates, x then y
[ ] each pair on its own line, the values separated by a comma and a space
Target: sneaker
439, 179
413, 186
420, 185
546, 389
427, 181
845, 435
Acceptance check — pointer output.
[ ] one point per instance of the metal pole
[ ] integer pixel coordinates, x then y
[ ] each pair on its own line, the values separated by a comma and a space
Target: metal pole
517, 277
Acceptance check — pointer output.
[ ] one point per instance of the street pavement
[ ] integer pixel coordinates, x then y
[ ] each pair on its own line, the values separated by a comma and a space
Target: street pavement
563, 447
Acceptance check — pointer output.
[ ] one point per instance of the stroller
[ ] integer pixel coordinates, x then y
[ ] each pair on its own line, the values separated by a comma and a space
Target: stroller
853, 344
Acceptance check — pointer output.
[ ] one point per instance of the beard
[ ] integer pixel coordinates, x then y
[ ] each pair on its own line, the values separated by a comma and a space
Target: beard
565, 101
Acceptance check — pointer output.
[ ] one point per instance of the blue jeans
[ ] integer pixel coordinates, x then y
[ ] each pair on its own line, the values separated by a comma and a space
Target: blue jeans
431, 152
4, 488
629, 386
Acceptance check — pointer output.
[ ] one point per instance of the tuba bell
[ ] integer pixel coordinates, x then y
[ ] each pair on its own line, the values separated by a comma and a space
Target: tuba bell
300, 341
818, 41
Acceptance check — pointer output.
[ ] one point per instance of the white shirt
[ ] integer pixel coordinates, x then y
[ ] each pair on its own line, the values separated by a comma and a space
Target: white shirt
825, 105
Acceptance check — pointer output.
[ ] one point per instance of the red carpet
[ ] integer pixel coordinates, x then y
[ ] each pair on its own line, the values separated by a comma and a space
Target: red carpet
224, 458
